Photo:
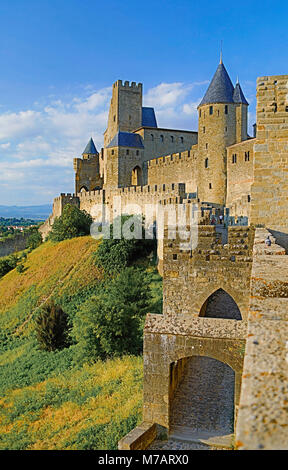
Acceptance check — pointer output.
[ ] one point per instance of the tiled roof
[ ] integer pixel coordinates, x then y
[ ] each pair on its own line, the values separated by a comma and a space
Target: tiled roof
220, 89
126, 139
148, 117
90, 148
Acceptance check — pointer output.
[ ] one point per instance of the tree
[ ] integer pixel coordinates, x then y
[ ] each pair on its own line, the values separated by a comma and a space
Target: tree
52, 327
108, 324
72, 223
34, 239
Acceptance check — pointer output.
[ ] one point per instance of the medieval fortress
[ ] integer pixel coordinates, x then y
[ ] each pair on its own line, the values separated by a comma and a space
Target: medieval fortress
216, 361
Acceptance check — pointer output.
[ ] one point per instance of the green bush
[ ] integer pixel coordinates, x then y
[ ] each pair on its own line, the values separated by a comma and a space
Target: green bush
116, 254
109, 324
72, 223
52, 327
20, 268
7, 264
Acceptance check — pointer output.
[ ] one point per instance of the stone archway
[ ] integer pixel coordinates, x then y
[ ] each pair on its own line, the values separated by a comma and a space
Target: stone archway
203, 402
220, 305
83, 189
136, 176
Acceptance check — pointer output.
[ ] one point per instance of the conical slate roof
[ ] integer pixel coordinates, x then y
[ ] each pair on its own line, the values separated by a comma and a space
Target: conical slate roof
220, 89
90, 148
238, 95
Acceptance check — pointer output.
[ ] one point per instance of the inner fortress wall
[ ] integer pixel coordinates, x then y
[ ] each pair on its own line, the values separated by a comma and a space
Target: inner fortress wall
178, 167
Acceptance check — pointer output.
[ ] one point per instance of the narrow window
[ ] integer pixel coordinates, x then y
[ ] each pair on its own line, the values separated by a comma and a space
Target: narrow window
247, 156
286, 109
162, 138
172, 138
234, 158
204, 130
174, 257
137, 152
226, 108
200, 113
206, 162
182, 140
173, 186
210, 110
152, 137
249, 198
112, 152
163, 187
210, 185
206, 145
155, 187
127, 152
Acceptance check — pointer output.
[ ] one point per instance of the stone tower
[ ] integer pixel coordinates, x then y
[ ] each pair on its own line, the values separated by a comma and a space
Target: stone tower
221, 122
87, 171
123, 152
125, 113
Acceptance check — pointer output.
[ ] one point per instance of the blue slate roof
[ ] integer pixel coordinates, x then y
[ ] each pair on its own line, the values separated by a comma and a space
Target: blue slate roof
220, 89
148, 117
126, 139
238, 95
90, 148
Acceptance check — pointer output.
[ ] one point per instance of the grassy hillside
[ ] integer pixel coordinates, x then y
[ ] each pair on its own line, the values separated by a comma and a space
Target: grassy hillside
47, 400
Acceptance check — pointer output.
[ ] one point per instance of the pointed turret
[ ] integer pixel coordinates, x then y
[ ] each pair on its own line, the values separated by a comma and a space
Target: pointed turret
90, 148
238, 95
220, 89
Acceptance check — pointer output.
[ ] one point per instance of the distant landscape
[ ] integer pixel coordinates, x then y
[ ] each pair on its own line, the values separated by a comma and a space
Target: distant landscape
27, 212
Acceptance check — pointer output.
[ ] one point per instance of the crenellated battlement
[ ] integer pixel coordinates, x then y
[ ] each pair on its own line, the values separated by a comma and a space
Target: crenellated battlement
126, 85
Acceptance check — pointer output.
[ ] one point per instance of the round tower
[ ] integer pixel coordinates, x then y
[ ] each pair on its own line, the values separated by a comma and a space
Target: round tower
216, 131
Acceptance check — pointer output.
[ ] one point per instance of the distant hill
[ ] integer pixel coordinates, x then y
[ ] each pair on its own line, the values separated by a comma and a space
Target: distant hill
27, 212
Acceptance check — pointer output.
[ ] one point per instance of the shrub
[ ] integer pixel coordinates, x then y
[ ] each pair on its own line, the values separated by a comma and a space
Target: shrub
72, 223
7, 264
52, 328
20, 268
116, 254
109, 324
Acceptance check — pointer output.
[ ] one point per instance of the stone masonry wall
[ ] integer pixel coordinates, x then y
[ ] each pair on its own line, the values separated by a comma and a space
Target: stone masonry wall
191, 277
240, 177
262, 418
269, 200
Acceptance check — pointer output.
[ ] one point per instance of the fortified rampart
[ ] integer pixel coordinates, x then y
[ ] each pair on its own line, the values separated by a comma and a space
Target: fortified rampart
11, 245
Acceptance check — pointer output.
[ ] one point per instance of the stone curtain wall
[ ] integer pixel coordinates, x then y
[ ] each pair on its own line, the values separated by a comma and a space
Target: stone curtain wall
262, 419
176, 168
190, 278
12, 245
269, 200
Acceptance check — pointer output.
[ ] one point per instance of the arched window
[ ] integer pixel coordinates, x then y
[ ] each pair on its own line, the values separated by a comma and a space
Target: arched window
162, 138
152, 136
172, 138
182, 140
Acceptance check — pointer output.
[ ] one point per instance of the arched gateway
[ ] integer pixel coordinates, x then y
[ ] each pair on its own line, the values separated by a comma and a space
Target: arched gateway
202, 404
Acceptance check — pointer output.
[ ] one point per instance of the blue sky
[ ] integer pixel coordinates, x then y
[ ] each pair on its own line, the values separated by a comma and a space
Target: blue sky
60, 58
